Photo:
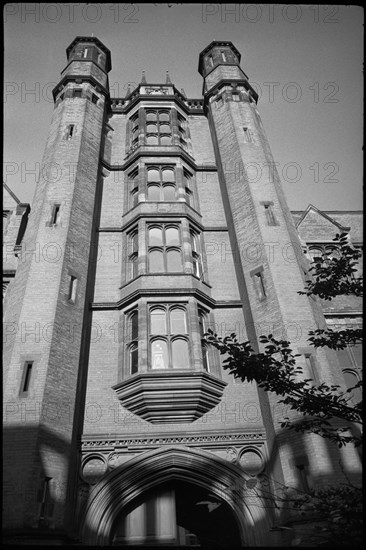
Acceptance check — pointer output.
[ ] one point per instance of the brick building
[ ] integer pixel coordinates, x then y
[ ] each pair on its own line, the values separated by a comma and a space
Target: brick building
151, 223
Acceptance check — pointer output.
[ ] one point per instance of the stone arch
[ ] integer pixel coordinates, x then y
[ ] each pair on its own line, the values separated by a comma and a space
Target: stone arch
122, 485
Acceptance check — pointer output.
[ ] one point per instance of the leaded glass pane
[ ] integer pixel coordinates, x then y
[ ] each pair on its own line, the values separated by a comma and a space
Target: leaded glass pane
156, 261
159, 355
155, 236
165, 140
168, 175
153, 193
152, 140
172, 236
180, 354
153, 175
174, 261
151, 117
178, 323
169, 193
134, 357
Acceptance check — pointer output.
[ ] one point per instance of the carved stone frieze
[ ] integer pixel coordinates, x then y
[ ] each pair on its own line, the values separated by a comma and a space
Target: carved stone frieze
138, 442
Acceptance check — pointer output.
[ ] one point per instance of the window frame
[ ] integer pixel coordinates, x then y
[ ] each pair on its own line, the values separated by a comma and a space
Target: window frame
269, 213
158, 134
72, 288
164, 248
133, 188
27, 378
132, 264
196, 251
188, 188
132, 341
203, 317
55, 215
325, 249
169, 337
183, 131
70, 132
259, 283
161, 183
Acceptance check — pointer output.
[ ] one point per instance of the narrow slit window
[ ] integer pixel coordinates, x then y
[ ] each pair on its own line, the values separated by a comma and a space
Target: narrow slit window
86, 52
223, 56
310, 364
248, 136
70, 131
55, 217
72, 288
259, 285
27, 376
44, 502
271, 220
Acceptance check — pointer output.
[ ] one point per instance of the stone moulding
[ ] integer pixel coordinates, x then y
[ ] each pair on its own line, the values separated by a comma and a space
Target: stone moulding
104, 442
163, 397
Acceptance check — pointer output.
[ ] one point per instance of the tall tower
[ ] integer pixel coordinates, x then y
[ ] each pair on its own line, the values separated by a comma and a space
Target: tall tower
46, 319
269, 260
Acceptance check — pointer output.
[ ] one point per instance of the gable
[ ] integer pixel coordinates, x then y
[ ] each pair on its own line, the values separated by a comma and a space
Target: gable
316, 226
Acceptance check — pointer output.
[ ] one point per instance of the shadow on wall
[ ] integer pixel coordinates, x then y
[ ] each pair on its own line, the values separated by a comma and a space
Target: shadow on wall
38, 504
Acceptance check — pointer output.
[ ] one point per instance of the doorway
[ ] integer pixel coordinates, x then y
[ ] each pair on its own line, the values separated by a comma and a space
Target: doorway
177, 514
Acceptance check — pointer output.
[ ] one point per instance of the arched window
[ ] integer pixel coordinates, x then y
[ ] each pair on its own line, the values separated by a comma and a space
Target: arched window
158, 127
159, 354
164, 249
180, 354
323, 254
169, 342
132, 342
161, 185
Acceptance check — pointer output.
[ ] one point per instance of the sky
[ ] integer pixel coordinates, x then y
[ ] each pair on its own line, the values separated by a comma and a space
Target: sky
304, 61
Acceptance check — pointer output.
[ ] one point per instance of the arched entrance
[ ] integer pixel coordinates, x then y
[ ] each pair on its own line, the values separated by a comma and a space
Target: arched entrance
177, 513
168, 476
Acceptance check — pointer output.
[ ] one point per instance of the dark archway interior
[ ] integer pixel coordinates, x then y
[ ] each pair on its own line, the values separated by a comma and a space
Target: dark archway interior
179, 514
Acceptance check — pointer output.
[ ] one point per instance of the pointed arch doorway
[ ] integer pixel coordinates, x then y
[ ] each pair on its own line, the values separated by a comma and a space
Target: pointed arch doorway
199, 487
180, 514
